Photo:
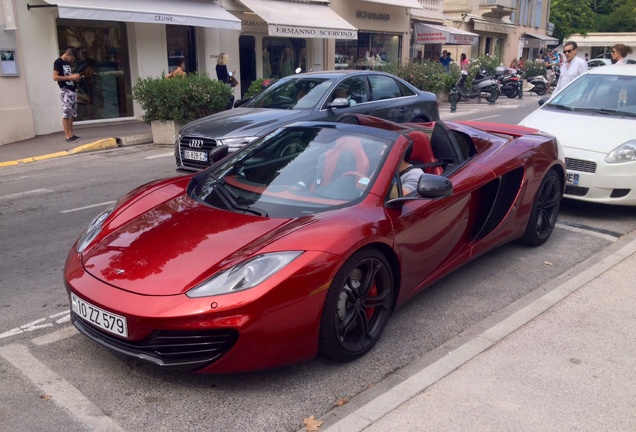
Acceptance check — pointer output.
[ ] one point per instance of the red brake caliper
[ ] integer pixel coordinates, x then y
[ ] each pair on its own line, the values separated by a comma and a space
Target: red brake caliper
373, 292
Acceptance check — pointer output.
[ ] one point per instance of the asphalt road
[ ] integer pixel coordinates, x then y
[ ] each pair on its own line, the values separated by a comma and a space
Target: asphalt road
55, 379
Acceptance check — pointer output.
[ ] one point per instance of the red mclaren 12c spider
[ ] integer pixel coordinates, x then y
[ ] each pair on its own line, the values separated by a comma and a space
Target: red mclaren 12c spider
305, 241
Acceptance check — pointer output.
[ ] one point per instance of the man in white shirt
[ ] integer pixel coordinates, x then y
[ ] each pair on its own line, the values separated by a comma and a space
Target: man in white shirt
572, 66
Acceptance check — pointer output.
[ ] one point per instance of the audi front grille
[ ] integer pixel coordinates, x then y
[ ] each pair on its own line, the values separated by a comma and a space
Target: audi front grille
195, 146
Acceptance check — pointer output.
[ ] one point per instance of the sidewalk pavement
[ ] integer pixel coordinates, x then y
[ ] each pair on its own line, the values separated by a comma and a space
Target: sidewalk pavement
94, 137
103, 136
566, 361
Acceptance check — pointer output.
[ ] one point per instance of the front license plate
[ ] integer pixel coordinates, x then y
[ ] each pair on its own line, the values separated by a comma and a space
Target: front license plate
105, 320
572, 179
195, 155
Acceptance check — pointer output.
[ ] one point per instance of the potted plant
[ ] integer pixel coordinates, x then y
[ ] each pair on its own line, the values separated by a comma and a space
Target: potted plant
168, 104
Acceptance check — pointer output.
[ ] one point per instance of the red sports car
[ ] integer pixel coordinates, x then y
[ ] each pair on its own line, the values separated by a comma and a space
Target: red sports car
306, 241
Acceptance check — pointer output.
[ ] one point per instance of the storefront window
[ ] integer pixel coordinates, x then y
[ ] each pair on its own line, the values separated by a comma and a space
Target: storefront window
180, 44
102, 46
282, 56
369, 51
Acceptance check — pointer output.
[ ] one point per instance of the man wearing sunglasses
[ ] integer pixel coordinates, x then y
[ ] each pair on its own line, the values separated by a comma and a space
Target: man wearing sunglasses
572, 66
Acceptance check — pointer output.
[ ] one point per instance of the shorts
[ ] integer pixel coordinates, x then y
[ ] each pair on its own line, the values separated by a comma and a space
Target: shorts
68, 99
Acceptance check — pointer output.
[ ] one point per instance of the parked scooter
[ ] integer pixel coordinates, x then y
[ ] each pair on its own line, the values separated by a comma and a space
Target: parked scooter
508, 81
536, 84
484, 85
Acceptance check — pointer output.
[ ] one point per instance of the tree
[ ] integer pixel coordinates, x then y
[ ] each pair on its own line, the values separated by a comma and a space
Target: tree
621, 17
572, 16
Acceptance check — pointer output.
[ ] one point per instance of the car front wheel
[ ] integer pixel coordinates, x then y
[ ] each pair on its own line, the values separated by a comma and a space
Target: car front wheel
357, 306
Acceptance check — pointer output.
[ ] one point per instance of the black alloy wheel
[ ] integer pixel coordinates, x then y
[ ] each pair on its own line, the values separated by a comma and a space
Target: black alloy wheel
357, 306
545, 210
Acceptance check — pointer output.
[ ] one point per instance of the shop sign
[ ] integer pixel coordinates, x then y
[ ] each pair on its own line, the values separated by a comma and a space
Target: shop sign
490, 27
373, 16
436, 34
308, 32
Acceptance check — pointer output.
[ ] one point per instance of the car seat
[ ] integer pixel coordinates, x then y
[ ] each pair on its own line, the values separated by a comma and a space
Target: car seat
422, 154
347, 156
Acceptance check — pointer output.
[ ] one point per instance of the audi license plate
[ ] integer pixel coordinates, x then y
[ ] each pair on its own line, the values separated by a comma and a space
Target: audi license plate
195, 155
105, 320
572, 179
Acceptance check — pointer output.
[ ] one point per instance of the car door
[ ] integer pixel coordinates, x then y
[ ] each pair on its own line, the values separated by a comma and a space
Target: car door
433, 236
388, 100
356, 90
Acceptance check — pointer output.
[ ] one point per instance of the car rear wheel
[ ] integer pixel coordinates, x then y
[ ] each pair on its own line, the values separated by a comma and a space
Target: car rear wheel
545, 210
357, 306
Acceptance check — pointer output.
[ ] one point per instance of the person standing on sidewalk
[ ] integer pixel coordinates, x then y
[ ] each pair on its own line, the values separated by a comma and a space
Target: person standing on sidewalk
572, 66
67, 80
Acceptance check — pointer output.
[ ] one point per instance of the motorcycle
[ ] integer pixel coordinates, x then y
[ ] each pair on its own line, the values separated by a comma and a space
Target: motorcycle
484, 85
508, 82
536, 84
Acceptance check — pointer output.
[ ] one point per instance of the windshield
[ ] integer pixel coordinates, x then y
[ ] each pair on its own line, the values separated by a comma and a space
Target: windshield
296, 93
602, 94
293, 172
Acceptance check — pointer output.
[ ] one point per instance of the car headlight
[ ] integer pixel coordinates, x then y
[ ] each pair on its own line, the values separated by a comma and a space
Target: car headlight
245, 275
236, 143
625, 152
93, 229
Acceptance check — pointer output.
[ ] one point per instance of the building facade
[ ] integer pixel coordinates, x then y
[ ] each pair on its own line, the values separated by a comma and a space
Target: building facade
120, 41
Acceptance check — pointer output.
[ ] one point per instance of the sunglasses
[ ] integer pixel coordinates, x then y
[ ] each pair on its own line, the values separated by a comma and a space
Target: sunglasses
568, 51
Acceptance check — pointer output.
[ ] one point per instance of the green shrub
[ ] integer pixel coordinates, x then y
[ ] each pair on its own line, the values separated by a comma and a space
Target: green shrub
255, 87
533, 68
181, 99
427, 75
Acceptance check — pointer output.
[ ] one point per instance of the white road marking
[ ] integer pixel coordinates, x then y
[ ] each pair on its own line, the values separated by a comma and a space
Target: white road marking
162, 155
63, 317
61, 392
87, 207
25, 193
484, 118
56, 336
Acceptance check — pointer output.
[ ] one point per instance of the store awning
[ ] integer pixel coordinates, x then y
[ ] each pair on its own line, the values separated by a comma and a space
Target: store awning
301, 20
440, 34
413, 4
603, 39
182, 12
549, 40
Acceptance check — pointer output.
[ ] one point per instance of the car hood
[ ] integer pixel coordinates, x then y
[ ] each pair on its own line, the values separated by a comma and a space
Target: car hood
178, 244
592, 132
240, 122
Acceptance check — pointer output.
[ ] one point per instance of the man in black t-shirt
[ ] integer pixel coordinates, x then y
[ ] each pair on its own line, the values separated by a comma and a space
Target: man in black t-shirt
67, 81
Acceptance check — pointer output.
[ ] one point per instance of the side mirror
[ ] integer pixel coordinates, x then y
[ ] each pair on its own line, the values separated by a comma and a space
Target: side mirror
434, 186
240, 102
429, 186
339, 103
543, 100
219, 152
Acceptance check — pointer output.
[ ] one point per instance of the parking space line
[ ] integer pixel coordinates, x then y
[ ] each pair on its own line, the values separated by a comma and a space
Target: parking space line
56, 336
61, 392
25, 193
87, 207
595, 233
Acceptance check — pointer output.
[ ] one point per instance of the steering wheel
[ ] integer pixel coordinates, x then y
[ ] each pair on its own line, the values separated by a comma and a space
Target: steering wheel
359, 175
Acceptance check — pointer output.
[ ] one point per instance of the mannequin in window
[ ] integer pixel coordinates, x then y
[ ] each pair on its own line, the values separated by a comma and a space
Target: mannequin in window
267, 66
287, 62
